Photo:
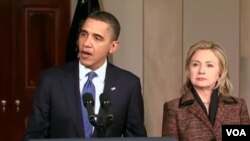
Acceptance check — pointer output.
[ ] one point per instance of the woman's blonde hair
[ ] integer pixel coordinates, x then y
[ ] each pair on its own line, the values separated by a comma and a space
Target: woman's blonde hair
223, 84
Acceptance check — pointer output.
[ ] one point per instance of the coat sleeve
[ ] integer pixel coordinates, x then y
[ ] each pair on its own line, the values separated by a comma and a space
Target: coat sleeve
244, 116
38, 122
169, 124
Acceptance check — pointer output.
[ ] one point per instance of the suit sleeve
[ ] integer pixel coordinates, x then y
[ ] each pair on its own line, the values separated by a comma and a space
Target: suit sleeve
38, 122
244, 116
135, 120
169, 124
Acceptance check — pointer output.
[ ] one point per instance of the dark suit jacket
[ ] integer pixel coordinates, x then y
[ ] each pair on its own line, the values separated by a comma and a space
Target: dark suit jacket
185, 120
56, 112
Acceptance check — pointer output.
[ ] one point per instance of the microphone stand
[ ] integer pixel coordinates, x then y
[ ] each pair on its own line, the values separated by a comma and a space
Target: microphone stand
101, 130
101, 125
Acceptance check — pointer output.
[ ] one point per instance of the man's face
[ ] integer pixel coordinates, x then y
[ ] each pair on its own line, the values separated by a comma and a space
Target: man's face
95, 43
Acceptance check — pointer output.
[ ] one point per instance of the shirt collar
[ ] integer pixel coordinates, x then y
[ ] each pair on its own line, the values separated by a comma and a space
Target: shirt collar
101, 71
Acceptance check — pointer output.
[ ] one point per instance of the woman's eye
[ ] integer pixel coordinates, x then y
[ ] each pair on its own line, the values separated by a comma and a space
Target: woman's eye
194, 64
210, 65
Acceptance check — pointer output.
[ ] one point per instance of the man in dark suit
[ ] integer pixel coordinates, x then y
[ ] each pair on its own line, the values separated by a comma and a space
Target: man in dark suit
57, 108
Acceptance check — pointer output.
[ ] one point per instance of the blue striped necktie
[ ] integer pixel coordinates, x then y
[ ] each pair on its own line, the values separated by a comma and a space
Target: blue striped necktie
88, 88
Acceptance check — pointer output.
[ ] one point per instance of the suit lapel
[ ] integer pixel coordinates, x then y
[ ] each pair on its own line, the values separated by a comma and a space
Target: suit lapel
70, 84
110, 86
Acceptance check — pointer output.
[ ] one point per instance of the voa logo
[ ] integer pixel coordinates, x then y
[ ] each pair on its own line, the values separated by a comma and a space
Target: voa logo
236, 132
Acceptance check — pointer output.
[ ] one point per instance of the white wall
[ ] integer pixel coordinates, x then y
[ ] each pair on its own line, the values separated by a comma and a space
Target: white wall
73, 7
245, 52
129, 13
216, 20
162, 58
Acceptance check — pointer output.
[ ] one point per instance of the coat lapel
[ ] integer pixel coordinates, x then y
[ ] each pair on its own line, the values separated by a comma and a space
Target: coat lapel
194, 108
200, 114
223, 110
70, 84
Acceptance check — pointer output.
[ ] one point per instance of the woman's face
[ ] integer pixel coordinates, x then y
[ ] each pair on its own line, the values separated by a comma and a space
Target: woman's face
204, 70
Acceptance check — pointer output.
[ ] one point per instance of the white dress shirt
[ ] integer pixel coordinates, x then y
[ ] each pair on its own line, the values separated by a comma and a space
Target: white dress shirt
98, 81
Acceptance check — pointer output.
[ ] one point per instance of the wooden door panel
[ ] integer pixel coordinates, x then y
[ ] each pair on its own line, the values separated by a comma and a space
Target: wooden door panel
40, 46
43, 44
5, 77
33, 37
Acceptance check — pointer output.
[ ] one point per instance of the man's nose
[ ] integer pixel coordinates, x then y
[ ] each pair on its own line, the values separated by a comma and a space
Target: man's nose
87, 41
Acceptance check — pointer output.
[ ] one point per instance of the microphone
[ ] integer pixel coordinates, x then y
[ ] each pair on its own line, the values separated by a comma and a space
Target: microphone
89, 103
106, 105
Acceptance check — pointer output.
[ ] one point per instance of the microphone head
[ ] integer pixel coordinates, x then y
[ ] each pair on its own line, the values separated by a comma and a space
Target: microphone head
104, 99
106, 105
88, 99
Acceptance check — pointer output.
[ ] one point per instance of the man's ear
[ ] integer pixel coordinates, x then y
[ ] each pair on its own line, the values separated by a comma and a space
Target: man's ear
115, 46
